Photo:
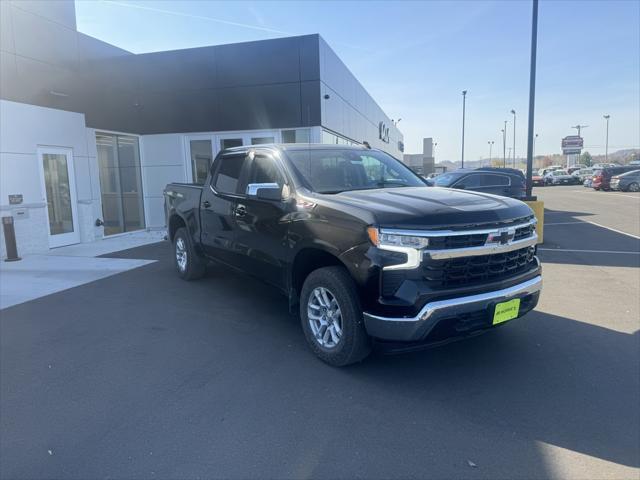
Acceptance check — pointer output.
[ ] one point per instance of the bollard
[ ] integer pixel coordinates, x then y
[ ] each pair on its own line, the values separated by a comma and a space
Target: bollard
10, 240
538, 209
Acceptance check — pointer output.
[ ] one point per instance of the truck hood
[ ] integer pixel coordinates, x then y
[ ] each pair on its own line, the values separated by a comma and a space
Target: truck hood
432, 207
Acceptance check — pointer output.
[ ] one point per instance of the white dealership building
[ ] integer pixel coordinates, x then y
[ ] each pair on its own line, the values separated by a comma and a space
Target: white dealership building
90, 134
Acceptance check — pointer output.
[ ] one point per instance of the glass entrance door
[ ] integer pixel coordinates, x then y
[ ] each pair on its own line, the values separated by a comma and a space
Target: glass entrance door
120, 183
200, 154
59, 187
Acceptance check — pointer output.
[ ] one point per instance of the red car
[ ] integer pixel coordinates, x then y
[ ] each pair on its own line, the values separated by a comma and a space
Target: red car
537, 181
602, 178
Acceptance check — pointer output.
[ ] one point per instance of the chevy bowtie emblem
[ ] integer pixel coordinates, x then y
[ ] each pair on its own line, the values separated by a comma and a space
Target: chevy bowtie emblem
503, 236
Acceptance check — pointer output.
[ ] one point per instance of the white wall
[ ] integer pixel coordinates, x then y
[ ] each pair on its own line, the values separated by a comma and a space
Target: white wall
163, 161
24, 128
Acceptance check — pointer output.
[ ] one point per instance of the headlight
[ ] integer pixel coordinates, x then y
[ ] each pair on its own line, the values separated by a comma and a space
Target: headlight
379, 238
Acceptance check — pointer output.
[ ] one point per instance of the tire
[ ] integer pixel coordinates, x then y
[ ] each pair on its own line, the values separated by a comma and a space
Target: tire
353, 343
633, 187
189, 265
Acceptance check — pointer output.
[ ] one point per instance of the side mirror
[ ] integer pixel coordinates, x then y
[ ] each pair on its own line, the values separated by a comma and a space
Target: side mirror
265, 191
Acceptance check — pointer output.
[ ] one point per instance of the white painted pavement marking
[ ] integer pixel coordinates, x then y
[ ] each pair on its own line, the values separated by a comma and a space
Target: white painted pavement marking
585, 251
589, 222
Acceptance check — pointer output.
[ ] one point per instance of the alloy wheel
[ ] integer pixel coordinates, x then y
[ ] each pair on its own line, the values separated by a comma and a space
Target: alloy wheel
181, 254
325, 317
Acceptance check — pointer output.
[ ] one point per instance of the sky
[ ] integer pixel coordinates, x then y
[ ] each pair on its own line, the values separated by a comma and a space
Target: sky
415, 58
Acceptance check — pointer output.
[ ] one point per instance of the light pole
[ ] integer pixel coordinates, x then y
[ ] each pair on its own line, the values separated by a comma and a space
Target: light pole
514, 138
532, 99
490, 148
464, 101
504, 145
606, 143
533, 153
433, 152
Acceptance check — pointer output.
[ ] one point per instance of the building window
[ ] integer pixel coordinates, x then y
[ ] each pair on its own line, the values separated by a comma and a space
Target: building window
120, 183
333, 139
301, 135
201, 158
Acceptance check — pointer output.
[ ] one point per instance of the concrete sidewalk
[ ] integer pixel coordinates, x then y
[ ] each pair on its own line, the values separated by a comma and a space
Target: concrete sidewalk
38, 275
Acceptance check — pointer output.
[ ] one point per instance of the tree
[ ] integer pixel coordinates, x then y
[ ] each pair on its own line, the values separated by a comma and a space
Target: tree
586, 159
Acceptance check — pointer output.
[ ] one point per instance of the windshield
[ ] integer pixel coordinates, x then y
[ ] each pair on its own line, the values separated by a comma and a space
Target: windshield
334, 170
447, 179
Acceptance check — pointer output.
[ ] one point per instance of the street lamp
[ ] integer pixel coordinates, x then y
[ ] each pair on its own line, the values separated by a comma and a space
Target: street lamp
490, 148
464, 101
514, 138
606, 144
504, 145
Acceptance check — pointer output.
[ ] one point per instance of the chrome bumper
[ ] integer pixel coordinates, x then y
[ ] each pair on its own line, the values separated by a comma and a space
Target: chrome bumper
416, 328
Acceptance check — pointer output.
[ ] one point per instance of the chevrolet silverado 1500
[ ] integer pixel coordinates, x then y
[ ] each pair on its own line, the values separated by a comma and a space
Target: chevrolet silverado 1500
362, 248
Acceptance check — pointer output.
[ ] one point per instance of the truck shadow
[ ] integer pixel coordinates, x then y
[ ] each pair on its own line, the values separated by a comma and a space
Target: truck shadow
546, 378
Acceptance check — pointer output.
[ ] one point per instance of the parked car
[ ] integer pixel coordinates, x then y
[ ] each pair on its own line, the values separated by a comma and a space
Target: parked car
537, 180
574, 168
581, 175
602, 178
507, 182
364, 251
626, 182
559, 177
635, 162
600, 166
544, 171
587, 182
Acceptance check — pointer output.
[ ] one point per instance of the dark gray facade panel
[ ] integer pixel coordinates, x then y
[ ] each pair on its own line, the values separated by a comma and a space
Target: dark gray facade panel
6, 27
310, 104
258, 63
192, 69
309, 57
181, 111
61, 12
41, 39
259, 107
92, 49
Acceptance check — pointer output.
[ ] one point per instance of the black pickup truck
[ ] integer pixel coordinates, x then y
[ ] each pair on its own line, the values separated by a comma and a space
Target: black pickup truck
359, 244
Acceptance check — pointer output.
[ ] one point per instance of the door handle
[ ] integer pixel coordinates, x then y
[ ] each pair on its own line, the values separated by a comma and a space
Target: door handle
241, 211
206, 204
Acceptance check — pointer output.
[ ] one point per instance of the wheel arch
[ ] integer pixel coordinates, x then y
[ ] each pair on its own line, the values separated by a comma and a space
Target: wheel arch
306, 261
175, 222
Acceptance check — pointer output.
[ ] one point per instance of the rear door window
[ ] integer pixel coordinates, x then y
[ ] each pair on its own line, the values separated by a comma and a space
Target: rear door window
469, 181
493, 180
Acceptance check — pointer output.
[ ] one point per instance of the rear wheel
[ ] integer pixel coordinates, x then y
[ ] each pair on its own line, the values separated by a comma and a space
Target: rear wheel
189, 265
331, 317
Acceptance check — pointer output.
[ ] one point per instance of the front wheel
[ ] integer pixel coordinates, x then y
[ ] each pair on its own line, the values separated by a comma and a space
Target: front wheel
189, 265
633, 187
331, 317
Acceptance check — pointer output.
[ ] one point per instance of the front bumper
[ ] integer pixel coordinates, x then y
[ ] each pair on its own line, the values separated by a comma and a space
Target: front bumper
479, 306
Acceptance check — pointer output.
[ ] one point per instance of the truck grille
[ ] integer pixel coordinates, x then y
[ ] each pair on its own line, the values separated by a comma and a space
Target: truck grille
471, 270
473, 240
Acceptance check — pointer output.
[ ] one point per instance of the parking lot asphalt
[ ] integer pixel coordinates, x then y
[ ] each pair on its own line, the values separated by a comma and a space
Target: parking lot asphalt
142, 375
